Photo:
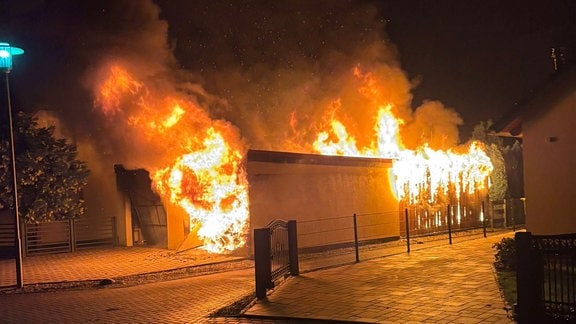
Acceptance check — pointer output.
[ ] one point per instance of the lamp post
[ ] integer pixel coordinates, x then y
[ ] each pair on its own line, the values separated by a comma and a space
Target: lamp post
6, 53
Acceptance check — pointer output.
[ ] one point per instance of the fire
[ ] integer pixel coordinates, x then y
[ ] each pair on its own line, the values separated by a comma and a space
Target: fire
423, 176
198, 160
431, 176
344, 144
206, 183
198, 164
113, 89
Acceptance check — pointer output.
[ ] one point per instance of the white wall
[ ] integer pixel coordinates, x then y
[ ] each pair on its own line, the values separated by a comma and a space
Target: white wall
549, 147
319, 187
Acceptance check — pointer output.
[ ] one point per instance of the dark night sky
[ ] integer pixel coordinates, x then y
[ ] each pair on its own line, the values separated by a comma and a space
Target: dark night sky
476, 57
481, 57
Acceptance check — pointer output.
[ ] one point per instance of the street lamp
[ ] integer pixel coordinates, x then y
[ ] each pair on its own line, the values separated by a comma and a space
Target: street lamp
6, 53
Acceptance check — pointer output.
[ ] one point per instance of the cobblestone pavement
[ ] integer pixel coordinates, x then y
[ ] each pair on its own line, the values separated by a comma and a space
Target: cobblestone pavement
187, 300
445, 284
95, 264
441, 284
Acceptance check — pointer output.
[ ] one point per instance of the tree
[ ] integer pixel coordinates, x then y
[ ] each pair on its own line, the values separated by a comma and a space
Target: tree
514, 169
50, 178
494, 150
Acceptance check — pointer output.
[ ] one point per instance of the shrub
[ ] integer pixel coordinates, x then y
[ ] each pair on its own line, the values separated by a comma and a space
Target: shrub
505, 257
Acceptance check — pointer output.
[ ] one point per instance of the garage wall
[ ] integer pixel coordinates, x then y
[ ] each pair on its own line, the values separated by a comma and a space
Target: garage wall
307, 187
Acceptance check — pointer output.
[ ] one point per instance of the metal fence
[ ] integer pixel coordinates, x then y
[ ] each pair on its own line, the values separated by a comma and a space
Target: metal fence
67, 235
275, 254
346, 231
7, 239
443, 218
329, 242
336, 241
339, 240
546, 278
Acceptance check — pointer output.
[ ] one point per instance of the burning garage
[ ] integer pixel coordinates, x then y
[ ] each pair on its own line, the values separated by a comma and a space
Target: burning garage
192, 180
214, 190
301, 187
302, 132
316, 189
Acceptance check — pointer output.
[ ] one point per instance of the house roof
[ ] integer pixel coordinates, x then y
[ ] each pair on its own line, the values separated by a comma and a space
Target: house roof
556, 88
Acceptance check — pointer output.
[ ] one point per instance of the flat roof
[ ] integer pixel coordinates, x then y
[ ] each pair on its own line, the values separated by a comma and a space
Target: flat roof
318, 159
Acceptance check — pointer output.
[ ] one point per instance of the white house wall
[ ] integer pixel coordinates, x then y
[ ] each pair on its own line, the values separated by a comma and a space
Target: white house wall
549, 169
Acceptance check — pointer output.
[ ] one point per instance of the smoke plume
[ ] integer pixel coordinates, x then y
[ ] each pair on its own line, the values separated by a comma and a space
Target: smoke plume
276, 71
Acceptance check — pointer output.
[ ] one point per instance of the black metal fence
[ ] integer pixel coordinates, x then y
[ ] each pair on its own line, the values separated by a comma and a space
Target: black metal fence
446, 223
546, 278
329, 242
275, 254
344, 239
443, 218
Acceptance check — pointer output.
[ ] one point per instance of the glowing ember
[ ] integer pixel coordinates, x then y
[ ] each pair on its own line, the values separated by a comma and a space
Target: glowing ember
197, 158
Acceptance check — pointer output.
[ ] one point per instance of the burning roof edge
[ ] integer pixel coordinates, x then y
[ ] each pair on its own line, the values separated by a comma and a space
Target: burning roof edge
317, 159
557, 87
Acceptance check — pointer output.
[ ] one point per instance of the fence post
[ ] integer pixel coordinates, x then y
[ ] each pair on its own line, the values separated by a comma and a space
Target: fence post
407, 230
483, 219
506, 204
527, 285
356, 238
114, 232
24, 240
293, 248
513, 222
512, 213
72, 234
449, 216
262, 271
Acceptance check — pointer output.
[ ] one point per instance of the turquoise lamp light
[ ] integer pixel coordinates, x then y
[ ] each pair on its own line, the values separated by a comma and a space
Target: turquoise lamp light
6, 53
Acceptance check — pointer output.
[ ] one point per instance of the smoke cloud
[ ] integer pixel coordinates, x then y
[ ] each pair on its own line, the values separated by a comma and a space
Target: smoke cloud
289, 61
275, 70
283, 70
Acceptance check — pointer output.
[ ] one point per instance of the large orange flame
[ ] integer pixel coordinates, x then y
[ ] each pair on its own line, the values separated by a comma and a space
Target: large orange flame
195, 160
423, 176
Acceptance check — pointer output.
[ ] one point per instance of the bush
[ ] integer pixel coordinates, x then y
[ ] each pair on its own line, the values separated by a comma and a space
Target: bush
505, 257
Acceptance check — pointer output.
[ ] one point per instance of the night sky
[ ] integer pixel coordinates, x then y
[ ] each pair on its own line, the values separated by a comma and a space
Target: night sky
257, 60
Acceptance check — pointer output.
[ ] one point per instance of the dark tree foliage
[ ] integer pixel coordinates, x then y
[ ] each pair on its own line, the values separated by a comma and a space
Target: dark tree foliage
514, 169
494, 148
50, 178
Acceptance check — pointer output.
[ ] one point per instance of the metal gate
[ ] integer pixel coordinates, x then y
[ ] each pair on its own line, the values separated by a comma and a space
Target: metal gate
275, 254
546, 278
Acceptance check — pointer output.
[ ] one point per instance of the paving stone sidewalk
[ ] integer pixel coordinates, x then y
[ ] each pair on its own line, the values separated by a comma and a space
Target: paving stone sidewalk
445, 284
440, 284
96, 264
